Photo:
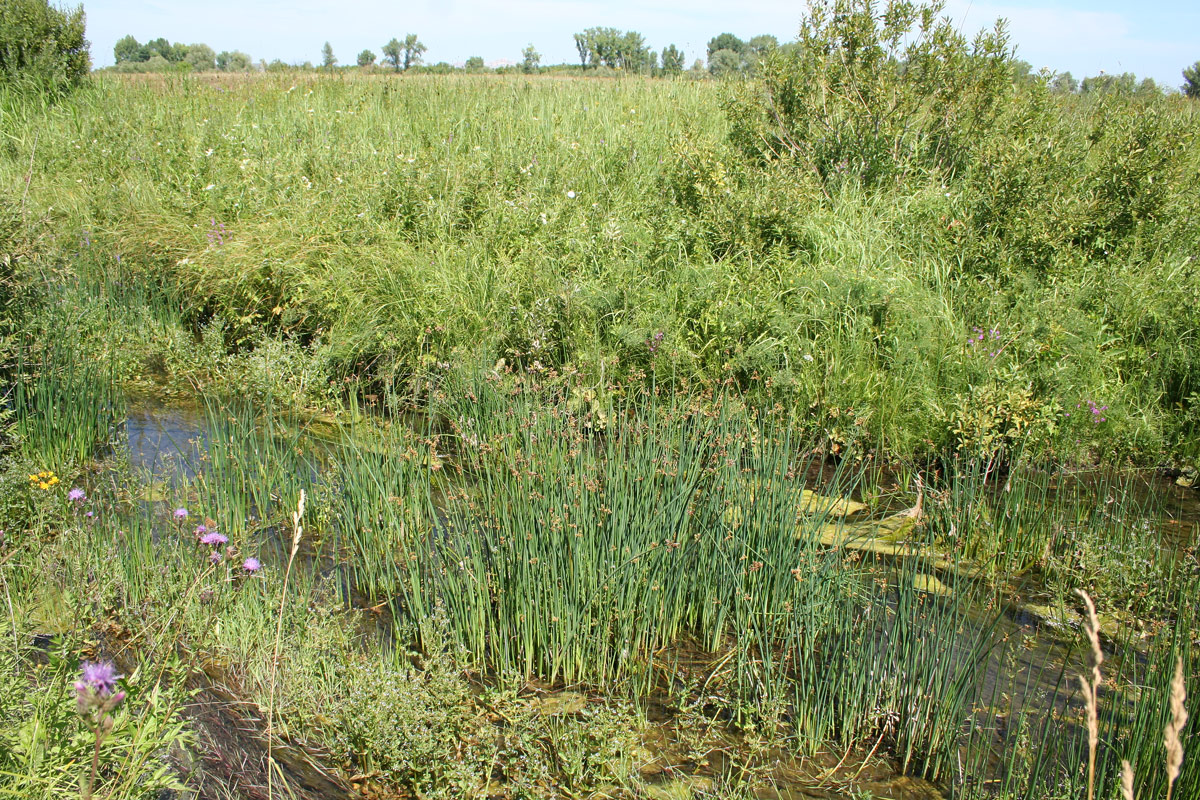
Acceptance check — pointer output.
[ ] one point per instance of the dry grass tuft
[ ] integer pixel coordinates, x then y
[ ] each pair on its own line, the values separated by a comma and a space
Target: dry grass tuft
1179, 717
1090, 688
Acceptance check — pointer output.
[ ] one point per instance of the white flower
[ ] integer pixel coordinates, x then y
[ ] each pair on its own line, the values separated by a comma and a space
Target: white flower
571, 193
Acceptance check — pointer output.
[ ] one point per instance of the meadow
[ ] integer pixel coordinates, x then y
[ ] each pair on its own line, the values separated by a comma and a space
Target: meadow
556, 437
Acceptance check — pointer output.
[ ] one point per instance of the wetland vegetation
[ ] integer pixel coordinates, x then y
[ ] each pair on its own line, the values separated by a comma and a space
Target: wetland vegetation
518, 437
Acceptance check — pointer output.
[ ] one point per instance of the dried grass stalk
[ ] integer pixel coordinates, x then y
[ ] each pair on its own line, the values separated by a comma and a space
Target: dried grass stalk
1171, 734
1090, 689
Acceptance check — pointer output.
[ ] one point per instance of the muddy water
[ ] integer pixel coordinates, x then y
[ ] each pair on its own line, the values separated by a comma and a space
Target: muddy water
1031, 668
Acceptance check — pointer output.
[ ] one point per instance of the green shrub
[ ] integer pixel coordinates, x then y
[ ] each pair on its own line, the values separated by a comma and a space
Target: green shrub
857, 98
42, 46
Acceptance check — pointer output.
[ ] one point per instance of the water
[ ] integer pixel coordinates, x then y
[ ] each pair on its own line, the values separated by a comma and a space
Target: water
1032, 668
164, 441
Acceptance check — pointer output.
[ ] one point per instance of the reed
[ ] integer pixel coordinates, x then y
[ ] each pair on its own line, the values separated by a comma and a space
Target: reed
67, 405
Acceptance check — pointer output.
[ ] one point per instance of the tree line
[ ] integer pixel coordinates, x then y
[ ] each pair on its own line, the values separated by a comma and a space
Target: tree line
44, 46
599, 49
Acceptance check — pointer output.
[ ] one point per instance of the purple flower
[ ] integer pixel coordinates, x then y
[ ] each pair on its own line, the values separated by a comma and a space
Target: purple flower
252, 565
76, 495
100, 676
181, 514
201, 530
213, 538
89, 514
214, 557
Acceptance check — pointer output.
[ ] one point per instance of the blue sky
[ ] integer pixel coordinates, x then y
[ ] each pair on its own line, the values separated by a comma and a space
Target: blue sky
1152, 39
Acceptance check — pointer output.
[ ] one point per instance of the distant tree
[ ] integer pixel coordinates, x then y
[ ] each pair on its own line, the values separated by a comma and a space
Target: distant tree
127, 49
393, 53
757, 50
672, 60
328, 59
158, 47
1191, 81
762, 44
625, 50
530, 59
725, 63
632, 53
366, 58
1064, 83
233, 61
1148, 88
697, 67
42, 45
155, 63
201, 57
1125, 83
725, 41
602, 45
276, 65
413, 50
584, 48
474, 64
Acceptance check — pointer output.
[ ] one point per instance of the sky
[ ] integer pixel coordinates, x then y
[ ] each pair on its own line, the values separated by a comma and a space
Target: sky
1151, 38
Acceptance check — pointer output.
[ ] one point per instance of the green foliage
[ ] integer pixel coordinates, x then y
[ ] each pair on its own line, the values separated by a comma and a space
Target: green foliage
1191, 81
859, 98
328, 59
45, 750
366, 59
65, 404
410, 725
127, 48
530, 58
672, 61
1064, 83
1069, 227
725, 41
413, 50
233, 61
725, 63
42, 46
201, 57
393, 53
615, 49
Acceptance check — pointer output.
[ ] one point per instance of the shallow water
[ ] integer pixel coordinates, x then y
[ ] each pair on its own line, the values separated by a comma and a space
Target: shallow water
1031, 668
165, 441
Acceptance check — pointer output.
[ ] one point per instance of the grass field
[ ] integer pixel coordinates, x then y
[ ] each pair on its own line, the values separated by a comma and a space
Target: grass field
651, 445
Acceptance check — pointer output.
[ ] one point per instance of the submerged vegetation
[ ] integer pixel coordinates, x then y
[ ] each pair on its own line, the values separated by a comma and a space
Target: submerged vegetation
592, 438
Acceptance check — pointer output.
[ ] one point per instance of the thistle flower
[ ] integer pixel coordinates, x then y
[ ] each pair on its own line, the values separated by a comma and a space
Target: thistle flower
215, 557
95, 700
213, 538
252, 565
200, 530
76, 495
180, 514
100, 677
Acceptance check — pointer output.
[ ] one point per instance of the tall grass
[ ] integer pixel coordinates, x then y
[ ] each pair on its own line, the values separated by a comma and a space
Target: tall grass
395, 226
66, 404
